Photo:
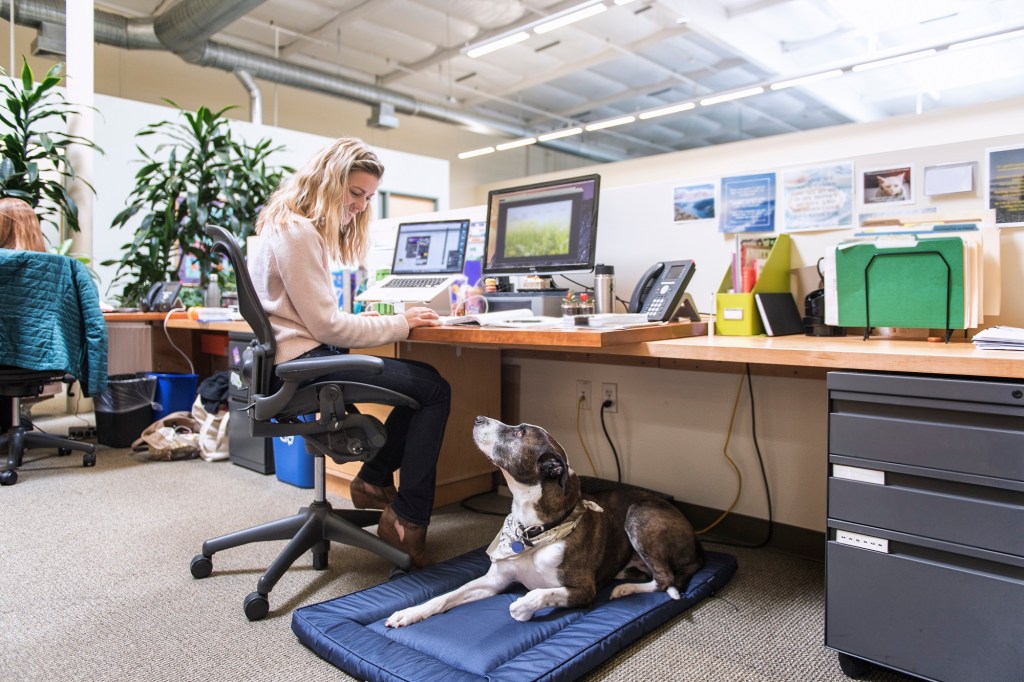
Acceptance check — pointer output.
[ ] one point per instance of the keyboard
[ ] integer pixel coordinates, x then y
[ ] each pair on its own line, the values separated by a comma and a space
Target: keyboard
414, 282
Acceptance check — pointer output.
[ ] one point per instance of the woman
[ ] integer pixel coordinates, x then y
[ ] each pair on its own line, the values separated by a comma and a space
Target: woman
319, 215
19, 226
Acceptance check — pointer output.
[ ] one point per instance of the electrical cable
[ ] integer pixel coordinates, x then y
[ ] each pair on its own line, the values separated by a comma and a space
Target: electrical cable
167, 333
579, 406
760, 461
615, 453
725, 453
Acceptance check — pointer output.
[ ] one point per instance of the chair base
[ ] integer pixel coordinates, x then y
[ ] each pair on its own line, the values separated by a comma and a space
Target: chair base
313, 528
17, 440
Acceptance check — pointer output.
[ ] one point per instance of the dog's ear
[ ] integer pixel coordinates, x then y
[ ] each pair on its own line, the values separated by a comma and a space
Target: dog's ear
553, 465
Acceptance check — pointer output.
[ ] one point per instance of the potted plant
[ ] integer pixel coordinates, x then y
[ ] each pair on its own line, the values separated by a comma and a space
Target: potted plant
34, 164
197, 174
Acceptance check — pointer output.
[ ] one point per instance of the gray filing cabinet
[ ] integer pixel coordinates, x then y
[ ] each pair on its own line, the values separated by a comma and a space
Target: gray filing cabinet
252, 453
925, 556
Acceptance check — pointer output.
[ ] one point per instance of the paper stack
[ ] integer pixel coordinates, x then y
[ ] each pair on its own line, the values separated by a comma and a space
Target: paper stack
1000, 338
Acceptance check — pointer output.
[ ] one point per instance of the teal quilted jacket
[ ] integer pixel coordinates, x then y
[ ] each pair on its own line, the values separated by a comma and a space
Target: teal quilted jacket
50, 317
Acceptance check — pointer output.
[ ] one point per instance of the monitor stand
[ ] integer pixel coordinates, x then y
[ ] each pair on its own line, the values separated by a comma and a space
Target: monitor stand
547, 302
539, 284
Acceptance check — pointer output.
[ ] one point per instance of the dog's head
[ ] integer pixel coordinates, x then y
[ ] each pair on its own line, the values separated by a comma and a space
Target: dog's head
526, 453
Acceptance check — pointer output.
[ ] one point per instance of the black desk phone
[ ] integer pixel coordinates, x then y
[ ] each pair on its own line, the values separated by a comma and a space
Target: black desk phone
661, 288
161, 297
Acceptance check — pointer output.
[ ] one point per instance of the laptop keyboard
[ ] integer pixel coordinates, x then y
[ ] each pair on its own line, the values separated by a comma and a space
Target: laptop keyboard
414, 282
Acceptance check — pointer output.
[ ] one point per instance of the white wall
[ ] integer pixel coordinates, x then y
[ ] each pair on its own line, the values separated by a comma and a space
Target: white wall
119, 120
672, 425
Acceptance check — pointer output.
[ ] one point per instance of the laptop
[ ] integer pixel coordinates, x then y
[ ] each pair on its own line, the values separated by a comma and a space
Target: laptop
429, 257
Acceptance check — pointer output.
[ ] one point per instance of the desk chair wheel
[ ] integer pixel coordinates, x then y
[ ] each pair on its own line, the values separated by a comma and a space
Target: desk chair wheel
257, 606
397, 572
88, 459
320, 560
63, 452
201, 566
9, 477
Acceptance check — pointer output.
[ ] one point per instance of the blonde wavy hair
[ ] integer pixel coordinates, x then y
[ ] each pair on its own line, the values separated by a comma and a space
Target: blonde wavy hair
19, 226
318, 192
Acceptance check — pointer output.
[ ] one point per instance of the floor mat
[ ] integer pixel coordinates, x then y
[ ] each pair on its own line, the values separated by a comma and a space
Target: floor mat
480, 640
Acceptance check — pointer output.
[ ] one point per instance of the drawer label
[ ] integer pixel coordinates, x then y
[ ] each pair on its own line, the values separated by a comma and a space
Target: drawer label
858, 474
845, 537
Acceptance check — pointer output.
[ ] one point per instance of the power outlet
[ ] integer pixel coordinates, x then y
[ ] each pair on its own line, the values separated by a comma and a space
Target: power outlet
583, 391
610, 393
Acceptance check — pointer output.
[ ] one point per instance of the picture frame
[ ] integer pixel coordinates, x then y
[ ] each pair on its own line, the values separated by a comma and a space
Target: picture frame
1004, 186
890, 185
950, 178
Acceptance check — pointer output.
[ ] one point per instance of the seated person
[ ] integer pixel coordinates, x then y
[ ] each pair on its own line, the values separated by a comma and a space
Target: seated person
318, 215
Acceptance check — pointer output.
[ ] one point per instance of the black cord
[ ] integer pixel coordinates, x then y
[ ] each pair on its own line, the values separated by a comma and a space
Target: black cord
760, 458
764, 476
464, 505
615, 453
581, 287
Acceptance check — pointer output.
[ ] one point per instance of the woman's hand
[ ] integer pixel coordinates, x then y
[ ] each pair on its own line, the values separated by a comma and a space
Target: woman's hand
421, 317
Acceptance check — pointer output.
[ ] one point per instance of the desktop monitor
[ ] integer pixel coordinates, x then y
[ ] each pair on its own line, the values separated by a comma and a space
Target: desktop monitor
542, 229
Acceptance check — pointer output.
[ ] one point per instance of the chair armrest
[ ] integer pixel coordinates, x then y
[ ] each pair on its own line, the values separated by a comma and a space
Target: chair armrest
313, 368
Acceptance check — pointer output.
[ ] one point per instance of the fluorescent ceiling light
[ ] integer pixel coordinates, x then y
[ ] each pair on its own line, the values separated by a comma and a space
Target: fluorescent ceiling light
570, 18
476, 152
1019, 33
601, 125
560, 133
623, 2
495, 45
894, 60
516, 143
665, 111
803, 80
729, 96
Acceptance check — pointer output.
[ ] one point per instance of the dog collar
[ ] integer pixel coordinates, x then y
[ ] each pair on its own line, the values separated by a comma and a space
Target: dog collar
515, 538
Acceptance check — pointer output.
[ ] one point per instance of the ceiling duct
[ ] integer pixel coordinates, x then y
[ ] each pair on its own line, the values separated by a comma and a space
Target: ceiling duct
172, 31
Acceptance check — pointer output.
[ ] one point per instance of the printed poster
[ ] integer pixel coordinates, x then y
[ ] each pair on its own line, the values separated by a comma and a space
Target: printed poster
693, 202
1006, 185
748, 203
818, 197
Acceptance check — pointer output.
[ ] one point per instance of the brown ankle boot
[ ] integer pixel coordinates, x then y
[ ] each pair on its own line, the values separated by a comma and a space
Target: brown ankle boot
368, 496
407, 536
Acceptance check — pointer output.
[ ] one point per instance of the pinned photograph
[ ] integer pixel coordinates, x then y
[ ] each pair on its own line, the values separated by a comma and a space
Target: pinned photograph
693, 202
888, 185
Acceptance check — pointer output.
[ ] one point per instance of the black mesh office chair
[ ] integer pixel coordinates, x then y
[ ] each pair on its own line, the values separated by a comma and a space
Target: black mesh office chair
339, 432
17, 383
51, 329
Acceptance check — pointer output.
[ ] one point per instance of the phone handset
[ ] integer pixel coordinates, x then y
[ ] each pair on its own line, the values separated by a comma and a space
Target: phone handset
161, 297
643, 287
660, 290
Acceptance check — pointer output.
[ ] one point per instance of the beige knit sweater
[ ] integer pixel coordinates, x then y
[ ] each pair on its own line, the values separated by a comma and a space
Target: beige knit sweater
291, 271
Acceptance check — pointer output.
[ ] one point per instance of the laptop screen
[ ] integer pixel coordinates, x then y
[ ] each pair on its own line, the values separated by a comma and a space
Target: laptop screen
436, 247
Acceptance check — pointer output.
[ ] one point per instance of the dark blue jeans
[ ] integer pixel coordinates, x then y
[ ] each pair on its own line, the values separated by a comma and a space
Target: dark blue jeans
414, 436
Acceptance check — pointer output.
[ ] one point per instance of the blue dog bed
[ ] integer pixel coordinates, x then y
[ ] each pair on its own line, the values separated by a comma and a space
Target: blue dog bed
480, 640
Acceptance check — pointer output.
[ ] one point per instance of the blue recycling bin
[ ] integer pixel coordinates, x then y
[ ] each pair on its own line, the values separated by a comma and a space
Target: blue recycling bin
174, 393
292, 463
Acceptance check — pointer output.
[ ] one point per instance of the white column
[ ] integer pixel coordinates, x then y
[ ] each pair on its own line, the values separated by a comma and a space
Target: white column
79, 92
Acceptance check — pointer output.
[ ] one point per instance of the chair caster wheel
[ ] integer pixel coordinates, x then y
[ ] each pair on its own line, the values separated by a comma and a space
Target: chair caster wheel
88, 459
9, 477
201, 566
257, 606
320, 561
63, 452
397, 572
852, 666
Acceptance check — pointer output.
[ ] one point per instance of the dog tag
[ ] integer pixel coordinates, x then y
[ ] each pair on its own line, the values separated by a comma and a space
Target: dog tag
517, 546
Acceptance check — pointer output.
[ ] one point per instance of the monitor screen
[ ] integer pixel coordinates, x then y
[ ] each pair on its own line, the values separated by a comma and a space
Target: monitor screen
550, 227
433, 247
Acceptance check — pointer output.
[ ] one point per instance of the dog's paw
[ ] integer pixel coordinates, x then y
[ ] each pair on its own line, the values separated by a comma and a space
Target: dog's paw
404, 617
520, 610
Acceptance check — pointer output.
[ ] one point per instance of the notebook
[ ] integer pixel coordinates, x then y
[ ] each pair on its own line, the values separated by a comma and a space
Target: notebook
779, 314
429, 257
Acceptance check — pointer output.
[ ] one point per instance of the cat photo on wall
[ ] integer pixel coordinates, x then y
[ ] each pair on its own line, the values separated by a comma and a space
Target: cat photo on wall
888, 185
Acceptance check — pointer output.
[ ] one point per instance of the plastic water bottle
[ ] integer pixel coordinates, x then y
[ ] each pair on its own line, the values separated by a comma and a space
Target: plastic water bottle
604, 288
212, 299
